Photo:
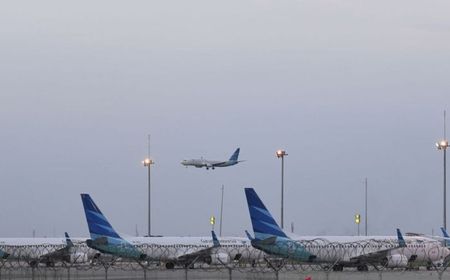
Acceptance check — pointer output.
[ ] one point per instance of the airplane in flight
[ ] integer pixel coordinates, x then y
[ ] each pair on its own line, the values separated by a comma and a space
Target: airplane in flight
199, 163
340, 251
172, 251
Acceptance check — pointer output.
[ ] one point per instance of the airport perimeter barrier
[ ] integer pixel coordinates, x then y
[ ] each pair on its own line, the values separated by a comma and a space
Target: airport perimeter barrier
41, 259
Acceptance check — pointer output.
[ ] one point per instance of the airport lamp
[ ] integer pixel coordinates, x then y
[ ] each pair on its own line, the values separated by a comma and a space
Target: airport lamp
358, 221
443, 145
281, 154
212, 221
147, 162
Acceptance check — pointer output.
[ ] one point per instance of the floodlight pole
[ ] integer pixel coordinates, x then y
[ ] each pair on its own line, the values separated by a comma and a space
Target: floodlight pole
281, 154
147, 162
443, 145
149, 200
221, 213
365, 212
445, 187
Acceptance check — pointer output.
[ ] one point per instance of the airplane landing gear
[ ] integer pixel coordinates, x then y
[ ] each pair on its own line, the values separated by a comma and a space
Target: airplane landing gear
362, 267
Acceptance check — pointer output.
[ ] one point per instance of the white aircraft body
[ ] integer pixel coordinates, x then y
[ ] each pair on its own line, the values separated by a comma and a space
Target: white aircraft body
46, 250
172, 251
340, 251
185, 251
199, 163
360, 251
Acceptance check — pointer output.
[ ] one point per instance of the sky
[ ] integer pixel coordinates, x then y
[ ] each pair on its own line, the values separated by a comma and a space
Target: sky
350, 89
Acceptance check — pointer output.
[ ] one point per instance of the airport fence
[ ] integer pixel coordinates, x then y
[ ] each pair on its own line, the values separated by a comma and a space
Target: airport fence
48, 261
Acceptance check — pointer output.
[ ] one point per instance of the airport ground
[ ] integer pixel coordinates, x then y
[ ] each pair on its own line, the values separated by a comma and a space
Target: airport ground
115, 274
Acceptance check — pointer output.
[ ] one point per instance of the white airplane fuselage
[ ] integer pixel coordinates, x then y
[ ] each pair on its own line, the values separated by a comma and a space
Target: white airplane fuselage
168, 249
164, 249
347, 249
199, 163
35, 250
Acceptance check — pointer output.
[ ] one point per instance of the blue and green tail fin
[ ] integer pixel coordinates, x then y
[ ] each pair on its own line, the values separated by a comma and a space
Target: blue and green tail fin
97, 223
235, 155
446, 237
69, 242
216, 242
401, 240
264, 225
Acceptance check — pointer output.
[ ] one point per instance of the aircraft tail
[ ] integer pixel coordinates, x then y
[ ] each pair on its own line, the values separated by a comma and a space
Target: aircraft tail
103, 237
263, 223
248, 235
235, 155
444, 232
446, 237
69, 242
401, 240
216, 242
97, 222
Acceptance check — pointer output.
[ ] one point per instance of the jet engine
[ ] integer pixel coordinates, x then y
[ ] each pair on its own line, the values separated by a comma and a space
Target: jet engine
218, 258
396, 260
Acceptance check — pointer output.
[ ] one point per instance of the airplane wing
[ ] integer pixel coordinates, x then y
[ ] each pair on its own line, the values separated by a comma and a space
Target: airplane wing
381, 255
374, 257
192, 256
61, 254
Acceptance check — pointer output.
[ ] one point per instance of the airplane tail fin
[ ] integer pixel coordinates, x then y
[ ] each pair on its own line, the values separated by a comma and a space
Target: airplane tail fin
103, 237
216, 242
97, 222
248, 235
446, 237
235, 155
444, 232
69, 242
263, 223
401, 240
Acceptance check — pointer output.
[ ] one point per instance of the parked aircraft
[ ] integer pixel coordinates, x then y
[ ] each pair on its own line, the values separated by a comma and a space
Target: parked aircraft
44, 250
340, 251
185, 251
199, 163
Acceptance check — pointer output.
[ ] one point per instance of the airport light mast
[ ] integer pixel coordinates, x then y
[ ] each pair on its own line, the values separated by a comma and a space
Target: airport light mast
365, 207
281, 154
357, 221
443, 145
147, 162
221, 212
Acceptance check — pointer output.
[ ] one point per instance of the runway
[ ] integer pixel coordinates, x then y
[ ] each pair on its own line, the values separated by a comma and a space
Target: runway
219, 274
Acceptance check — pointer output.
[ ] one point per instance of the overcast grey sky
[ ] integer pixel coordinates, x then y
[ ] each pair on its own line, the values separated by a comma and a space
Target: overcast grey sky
351, 89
